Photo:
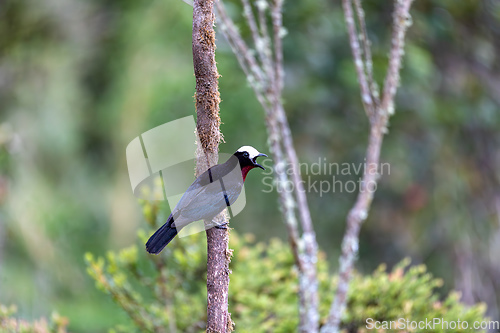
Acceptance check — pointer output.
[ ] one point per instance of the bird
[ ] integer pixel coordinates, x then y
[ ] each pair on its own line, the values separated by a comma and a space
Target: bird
213, 191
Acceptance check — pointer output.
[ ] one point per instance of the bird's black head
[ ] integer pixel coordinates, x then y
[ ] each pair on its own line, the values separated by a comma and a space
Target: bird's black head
247, 156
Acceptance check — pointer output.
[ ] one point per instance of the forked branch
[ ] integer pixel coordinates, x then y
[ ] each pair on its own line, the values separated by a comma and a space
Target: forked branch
379, 114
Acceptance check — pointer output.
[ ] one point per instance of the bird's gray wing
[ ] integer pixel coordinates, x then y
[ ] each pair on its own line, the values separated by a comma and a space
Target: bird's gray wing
210, 200
195, 189
211, 175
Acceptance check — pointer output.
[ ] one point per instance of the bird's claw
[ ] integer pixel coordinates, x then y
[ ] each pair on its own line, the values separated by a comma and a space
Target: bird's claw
222, 226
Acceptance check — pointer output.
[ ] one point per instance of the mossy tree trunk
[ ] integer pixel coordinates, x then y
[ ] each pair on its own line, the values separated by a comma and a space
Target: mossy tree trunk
208, 124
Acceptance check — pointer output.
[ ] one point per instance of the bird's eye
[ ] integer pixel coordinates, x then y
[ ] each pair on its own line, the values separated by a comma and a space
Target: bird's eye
246, 154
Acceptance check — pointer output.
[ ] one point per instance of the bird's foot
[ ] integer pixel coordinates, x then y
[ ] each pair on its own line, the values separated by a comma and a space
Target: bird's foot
222, 226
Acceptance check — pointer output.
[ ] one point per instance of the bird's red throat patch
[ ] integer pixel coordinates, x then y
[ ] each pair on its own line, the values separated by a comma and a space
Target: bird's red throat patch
245, 169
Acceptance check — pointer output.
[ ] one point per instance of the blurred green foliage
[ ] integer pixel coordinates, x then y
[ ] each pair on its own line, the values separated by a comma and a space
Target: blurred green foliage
168, 292
10, 324
80, 79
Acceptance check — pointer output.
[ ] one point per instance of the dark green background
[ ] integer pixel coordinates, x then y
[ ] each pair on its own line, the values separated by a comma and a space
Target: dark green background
79, 80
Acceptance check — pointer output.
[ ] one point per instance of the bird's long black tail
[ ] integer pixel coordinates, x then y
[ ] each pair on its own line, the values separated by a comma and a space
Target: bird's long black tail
161, 237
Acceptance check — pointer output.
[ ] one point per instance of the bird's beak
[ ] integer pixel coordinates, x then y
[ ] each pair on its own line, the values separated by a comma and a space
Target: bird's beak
257, 164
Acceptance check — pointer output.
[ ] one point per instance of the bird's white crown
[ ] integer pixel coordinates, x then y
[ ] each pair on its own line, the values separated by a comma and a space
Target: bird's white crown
251, 151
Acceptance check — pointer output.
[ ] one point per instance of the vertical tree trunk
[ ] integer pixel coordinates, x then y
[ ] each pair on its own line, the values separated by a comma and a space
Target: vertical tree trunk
208, 123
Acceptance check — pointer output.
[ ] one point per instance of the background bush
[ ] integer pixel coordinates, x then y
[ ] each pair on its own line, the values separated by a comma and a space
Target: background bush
169, 290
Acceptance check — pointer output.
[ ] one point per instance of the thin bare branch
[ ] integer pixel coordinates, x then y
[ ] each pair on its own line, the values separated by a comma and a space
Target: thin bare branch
402, 20
307, 258
378, 124
366, 94
285, 195
252, 24
262, 7
356, 216
360, 14
245, 58
242, 52
278, 31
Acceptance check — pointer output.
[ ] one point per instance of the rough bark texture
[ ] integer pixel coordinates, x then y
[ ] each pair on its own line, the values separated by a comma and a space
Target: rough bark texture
208, 123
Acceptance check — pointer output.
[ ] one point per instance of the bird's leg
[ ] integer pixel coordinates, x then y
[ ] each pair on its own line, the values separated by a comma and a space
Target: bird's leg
222, 226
